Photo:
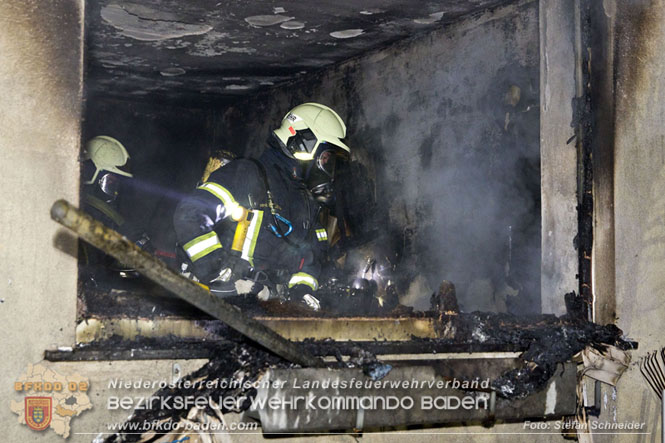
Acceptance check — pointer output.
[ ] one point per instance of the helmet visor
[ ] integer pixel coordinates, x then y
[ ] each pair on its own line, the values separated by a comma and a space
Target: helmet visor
303, 141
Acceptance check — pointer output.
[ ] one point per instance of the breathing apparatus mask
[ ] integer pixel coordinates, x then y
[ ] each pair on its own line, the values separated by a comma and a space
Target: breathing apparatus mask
320, 173
312, 134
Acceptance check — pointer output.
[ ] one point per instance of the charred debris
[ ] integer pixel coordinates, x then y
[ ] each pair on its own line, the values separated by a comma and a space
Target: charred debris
546, 342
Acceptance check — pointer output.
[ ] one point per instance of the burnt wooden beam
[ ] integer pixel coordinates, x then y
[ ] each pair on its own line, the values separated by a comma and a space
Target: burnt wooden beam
201, 349
121, 248
128, 354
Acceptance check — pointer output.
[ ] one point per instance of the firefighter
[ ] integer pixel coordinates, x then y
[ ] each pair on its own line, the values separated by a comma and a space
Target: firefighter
106, 156
103, 158
253, 226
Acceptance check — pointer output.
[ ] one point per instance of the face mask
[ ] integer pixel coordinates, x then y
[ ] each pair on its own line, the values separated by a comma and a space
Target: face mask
321, 175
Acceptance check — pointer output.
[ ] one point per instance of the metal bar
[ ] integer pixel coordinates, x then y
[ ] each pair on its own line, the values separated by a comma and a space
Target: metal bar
647, 375
113, 243
659, 370
652, 365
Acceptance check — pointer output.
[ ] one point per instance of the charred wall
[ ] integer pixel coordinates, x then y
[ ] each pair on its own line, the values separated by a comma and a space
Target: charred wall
632, 204
448, 126
40, 115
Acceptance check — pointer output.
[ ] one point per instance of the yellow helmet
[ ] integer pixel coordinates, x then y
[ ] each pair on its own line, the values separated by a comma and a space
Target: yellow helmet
108, 154
307, 126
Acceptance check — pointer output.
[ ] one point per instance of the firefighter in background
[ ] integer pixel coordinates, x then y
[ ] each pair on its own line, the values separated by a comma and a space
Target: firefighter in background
253, 226
103, 157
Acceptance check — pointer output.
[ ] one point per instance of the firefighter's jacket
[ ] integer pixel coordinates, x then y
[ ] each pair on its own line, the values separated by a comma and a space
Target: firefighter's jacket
205, 227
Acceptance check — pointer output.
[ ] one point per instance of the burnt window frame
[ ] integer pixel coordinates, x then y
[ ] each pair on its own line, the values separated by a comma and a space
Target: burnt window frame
583, 143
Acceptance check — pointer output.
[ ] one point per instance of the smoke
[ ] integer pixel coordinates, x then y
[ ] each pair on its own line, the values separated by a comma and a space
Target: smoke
457, 160
448, 126
480, 222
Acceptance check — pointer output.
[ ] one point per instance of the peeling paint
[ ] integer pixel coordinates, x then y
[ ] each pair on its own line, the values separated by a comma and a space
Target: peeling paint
238, 87
210, 46
347, 33
241, 50
292, 25
147, 29
267, 20
213, 39
433, 18
172, 72
177, 44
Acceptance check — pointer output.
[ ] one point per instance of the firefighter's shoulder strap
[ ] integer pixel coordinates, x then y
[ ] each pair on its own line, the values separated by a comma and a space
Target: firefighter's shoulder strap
271, 203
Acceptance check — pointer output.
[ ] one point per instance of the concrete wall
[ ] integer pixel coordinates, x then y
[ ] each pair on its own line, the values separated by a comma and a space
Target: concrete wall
454, 160
40, 78
40, 129
639, 198
558, 158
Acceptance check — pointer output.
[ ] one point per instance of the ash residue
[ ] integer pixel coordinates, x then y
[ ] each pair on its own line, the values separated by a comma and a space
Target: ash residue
546, 340
371, 366
550, 348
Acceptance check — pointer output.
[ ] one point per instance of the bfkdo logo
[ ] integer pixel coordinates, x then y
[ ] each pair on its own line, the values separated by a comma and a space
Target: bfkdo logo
50, 400
38, 412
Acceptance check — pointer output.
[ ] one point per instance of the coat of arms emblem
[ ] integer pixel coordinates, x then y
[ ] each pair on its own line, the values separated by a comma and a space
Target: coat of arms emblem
38, 412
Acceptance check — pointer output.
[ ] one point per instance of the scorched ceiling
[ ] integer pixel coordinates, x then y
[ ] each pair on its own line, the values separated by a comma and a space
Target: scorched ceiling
207, 51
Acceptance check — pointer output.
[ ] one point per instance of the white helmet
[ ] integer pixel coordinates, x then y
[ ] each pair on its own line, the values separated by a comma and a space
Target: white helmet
308, 126
108, 154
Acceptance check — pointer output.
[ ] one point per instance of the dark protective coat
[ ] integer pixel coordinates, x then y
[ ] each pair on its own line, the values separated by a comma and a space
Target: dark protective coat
207, 209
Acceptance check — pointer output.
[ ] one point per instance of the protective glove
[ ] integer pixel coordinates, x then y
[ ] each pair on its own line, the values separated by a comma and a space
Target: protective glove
231, 271
304, 294
220, 266
232, 268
